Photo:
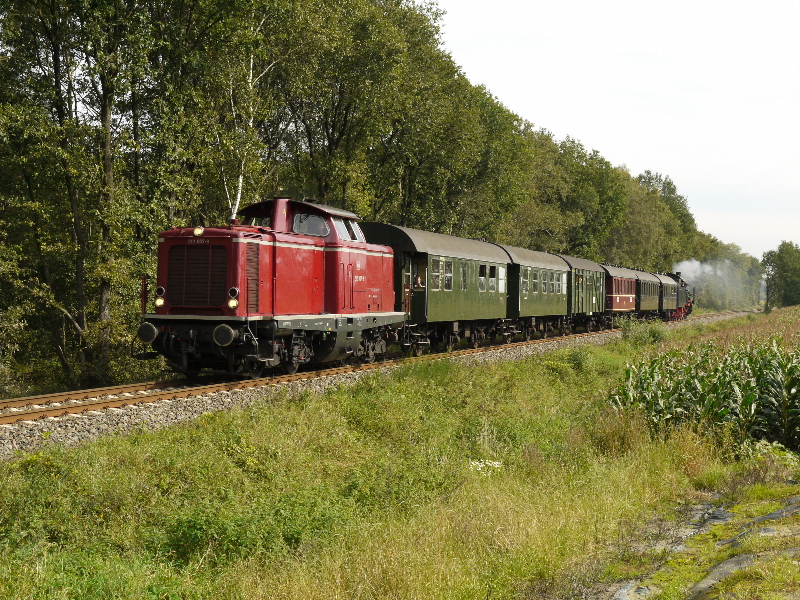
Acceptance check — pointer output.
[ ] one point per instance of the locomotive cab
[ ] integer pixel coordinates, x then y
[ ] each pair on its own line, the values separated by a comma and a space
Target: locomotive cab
286, 284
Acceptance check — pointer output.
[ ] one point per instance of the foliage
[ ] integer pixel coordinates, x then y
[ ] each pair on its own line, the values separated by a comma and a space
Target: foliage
782, 268
121, 119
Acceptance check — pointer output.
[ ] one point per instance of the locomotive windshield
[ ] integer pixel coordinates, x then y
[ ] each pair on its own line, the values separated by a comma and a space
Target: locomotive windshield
310, 225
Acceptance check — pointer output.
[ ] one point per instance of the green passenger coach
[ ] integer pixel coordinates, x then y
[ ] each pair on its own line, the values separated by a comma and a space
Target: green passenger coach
537, 290
448, 287
586, 293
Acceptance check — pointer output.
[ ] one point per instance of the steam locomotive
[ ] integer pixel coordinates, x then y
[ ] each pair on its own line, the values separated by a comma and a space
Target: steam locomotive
290, 283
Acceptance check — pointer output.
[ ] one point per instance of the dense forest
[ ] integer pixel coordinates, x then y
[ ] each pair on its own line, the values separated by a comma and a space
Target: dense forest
121, 118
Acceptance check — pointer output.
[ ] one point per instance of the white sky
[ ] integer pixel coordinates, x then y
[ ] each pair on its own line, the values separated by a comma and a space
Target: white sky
705, 91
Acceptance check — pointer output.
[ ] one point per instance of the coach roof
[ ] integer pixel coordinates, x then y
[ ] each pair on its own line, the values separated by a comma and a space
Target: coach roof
405, 239
532, 258
581, 263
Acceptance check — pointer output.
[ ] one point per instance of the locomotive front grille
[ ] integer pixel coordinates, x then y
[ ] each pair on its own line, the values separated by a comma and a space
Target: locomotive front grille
198, 275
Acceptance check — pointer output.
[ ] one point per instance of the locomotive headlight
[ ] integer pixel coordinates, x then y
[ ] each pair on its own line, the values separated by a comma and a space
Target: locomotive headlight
198, 231
159, 302
233, 303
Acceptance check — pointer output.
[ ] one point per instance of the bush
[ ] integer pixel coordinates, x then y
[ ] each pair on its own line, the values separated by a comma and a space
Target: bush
641, 333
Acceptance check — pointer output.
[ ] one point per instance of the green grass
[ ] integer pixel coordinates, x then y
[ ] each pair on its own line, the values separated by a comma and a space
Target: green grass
437, 480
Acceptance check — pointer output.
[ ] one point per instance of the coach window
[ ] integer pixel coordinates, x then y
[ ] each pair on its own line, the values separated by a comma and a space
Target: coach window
501, 283
436, 273
463, 275
563, 283
482, 278
544, 281
419, 275
535, 281
448, 275
526, 273
310, 225
558, 283
492, 278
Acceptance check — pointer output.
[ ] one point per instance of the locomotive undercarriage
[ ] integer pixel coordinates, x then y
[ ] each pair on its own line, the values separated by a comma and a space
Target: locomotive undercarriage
250, 347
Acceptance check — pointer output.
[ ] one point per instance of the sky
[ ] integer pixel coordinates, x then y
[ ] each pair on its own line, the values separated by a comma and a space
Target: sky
706, 92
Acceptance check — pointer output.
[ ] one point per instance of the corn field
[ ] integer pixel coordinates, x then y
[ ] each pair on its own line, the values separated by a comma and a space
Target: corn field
752, 389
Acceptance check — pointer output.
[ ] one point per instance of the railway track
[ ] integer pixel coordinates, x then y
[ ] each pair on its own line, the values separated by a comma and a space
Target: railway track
98, 399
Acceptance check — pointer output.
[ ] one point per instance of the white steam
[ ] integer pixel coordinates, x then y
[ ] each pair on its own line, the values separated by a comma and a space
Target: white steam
720, 285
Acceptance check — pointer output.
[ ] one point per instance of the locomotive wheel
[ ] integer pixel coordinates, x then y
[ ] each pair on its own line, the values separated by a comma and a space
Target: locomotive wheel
254, 369
289, 368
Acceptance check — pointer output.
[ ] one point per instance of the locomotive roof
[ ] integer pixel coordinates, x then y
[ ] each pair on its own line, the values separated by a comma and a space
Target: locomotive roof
532, 258
265, 209
405, 239
581, 263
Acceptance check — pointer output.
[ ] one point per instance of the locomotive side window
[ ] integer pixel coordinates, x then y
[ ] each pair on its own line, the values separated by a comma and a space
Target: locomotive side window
463, 275
492, 278
448, 275
482, 278
436, 270
354, 230
310, 225
341, 229
535, 281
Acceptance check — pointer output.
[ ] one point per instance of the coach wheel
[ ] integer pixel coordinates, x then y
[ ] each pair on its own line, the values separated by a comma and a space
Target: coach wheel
527, 334
290, 368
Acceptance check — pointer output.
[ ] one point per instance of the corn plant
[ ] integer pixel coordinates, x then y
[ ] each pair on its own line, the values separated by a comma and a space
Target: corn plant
753, 389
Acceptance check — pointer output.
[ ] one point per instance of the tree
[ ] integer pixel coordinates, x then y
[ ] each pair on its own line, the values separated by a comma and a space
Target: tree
782, 268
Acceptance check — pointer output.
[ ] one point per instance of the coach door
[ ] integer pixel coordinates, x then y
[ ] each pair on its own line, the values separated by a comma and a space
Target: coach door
407, 293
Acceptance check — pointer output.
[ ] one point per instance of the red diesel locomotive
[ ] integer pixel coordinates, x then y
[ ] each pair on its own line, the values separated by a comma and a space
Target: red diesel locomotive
292, 283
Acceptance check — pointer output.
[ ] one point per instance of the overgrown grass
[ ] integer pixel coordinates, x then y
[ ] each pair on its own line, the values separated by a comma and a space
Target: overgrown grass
437, 480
